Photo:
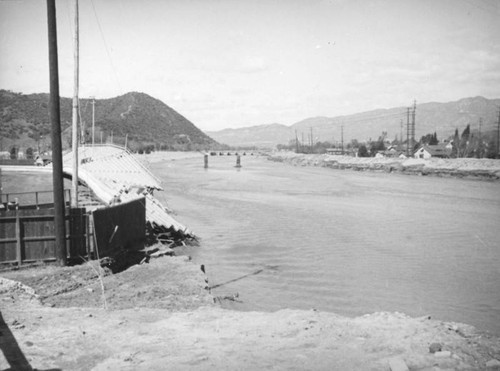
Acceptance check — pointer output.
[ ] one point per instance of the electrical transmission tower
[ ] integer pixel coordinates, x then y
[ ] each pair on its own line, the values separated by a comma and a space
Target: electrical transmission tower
410, 129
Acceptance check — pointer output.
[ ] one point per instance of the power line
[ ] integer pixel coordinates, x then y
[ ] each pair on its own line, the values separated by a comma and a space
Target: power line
360, 120
106, 46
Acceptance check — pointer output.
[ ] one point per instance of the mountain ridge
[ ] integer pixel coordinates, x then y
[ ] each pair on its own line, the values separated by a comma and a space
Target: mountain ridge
442, 118
134, 117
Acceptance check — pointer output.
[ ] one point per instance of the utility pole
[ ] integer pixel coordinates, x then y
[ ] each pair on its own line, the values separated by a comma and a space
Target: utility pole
311, 139
342, 137
498, 134
401, 133
302, 143
74, 178
93, 119
413, 125
296, 142
55, 119
408, 132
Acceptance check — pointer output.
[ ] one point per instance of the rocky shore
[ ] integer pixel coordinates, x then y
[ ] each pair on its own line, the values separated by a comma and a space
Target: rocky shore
485, 169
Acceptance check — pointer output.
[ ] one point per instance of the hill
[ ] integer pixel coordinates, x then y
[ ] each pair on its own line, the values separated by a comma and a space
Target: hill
442, 118
261, 136
141, 118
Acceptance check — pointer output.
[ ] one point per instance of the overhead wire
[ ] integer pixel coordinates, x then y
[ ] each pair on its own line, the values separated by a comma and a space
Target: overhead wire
360, 120
106, 47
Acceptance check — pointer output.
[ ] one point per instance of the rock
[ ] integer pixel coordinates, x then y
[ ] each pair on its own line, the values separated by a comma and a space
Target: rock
397, 364
493, 363
443, 354
435, 347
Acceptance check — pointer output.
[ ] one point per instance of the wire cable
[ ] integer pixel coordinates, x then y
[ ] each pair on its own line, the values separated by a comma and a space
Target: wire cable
106, 47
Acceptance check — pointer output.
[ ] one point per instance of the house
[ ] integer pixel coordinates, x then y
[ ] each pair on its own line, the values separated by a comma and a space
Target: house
42, 160
335, 151
438, 150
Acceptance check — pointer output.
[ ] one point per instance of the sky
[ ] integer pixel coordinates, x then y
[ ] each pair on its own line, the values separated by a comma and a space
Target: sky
237, 63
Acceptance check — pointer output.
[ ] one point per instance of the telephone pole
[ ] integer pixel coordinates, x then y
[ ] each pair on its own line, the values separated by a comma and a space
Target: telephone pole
55, 119
74, 178
413, 125
408, 132
342, 137
93, 119
401, 133
311, 139
498, 134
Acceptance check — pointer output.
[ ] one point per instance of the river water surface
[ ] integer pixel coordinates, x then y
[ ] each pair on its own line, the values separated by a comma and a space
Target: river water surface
343, 241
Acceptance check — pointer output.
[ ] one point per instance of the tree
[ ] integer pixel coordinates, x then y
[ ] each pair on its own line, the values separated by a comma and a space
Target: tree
430, 139
29, 153
13, 153
363, 151
455, 151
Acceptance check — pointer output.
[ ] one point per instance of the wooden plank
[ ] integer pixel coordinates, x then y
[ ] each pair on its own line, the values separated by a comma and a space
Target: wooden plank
19, 255
29, 235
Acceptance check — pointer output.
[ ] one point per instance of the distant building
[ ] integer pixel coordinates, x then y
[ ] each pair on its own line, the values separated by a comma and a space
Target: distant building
438, 150
335, 151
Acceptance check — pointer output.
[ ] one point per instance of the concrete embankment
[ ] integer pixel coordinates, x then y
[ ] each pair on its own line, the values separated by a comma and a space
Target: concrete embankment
487, 169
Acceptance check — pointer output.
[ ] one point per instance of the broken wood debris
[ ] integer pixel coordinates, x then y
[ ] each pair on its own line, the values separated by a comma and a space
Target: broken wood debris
156, 233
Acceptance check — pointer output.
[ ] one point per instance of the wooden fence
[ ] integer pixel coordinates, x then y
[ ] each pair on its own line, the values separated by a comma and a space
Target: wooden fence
120, 227
28, 235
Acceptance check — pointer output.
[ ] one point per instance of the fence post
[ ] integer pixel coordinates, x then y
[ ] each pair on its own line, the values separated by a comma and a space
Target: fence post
19, 255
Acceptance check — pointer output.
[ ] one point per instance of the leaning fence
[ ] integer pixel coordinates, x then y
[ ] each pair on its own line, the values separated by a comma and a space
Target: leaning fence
28, 235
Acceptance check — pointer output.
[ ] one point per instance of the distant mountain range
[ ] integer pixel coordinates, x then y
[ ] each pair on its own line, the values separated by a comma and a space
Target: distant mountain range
442, 118
144, 120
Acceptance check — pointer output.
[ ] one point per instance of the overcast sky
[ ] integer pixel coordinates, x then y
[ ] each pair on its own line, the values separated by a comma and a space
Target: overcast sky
235, 63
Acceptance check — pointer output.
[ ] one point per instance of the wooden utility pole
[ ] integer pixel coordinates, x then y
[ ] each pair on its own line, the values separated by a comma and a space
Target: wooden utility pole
413, 125
311, 139
342, 137
93, 119
55, 119
401, 134
408, 132
498, 134
74, 178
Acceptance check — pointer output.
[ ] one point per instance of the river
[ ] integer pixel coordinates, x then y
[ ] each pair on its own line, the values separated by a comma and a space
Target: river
281, 236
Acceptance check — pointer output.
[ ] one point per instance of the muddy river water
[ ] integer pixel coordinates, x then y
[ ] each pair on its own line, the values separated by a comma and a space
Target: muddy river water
281, 236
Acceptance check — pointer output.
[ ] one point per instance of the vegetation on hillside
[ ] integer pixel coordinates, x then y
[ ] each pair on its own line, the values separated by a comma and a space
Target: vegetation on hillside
143, 122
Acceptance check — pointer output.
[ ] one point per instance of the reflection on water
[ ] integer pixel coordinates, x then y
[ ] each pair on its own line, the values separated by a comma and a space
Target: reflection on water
342, 241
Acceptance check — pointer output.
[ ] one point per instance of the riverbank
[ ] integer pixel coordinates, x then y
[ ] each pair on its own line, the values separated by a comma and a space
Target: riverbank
160, 317
488, 169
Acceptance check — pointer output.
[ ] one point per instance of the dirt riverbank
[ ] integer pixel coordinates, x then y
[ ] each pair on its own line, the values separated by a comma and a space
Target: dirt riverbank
160, 316
487, 169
